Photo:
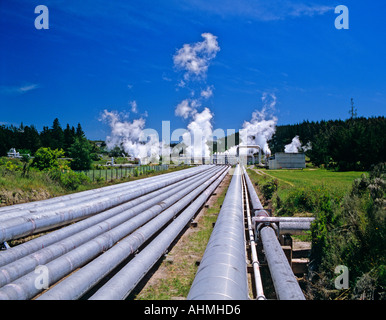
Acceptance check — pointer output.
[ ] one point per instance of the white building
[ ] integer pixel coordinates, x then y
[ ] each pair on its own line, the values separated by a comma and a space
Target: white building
282, 160
13, 154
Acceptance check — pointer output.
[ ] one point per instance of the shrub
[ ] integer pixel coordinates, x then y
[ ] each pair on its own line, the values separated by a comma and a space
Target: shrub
354, 235
47, 159
269, 188
69, 179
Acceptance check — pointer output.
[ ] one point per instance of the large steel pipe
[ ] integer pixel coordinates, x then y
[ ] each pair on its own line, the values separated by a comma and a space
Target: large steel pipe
255, 202
25, 288
81, 281
24, 265
255, 262
26, 225
80, 197
36, 244
222, 273
83, 194
284, 280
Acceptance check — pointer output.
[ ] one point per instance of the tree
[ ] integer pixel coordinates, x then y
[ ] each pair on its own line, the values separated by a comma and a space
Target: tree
57, 135
47, 159
79, 132
80, 152
69, 137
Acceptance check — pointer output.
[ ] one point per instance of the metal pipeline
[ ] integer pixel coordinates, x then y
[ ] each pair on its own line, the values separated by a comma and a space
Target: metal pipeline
26, 264
81, 281
26, 225
255, 261
284, 280
255, 202
25, 288
18, 210
222, 273
44, 241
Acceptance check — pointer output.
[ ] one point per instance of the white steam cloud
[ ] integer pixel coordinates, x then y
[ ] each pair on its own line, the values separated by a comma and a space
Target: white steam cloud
194, 60
132, 137
296, 146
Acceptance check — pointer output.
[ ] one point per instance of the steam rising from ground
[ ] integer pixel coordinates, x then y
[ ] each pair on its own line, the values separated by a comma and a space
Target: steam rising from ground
260, 129
194, 60
295, 146
131, 136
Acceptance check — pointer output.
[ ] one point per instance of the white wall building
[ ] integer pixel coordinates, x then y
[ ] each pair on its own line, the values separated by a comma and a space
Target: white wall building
282, 160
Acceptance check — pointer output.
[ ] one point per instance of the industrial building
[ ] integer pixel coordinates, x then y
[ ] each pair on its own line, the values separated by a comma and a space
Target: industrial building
282, 160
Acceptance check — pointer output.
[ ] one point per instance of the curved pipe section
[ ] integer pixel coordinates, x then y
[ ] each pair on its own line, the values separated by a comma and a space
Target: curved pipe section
222, 274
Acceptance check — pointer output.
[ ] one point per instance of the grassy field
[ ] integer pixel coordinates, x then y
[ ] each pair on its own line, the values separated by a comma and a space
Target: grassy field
301, 192
335, 182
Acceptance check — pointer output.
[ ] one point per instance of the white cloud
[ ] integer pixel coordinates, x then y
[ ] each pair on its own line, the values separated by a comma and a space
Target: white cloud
187, 107
134, 107
195, 58
260, 10
18, 89
207, 93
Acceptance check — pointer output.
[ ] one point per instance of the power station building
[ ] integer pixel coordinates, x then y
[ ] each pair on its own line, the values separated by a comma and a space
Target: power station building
282, 160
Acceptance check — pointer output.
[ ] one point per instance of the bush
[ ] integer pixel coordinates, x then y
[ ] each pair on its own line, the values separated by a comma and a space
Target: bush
354, 235
269, 188
69, 180
47, 159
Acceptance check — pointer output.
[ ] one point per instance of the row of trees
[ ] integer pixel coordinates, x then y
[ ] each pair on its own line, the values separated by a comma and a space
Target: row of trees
353, 144
28, 137
69, 142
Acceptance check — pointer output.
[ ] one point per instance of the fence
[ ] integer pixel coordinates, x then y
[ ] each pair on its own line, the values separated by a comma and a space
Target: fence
114, 173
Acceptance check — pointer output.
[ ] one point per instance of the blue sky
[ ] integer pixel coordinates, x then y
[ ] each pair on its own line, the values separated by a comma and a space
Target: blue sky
104, 55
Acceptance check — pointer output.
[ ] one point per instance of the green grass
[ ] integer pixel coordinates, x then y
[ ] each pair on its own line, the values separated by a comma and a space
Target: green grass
302, 192
341, 181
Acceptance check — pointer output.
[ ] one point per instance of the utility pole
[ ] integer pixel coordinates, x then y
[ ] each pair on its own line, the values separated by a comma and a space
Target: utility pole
353, 110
